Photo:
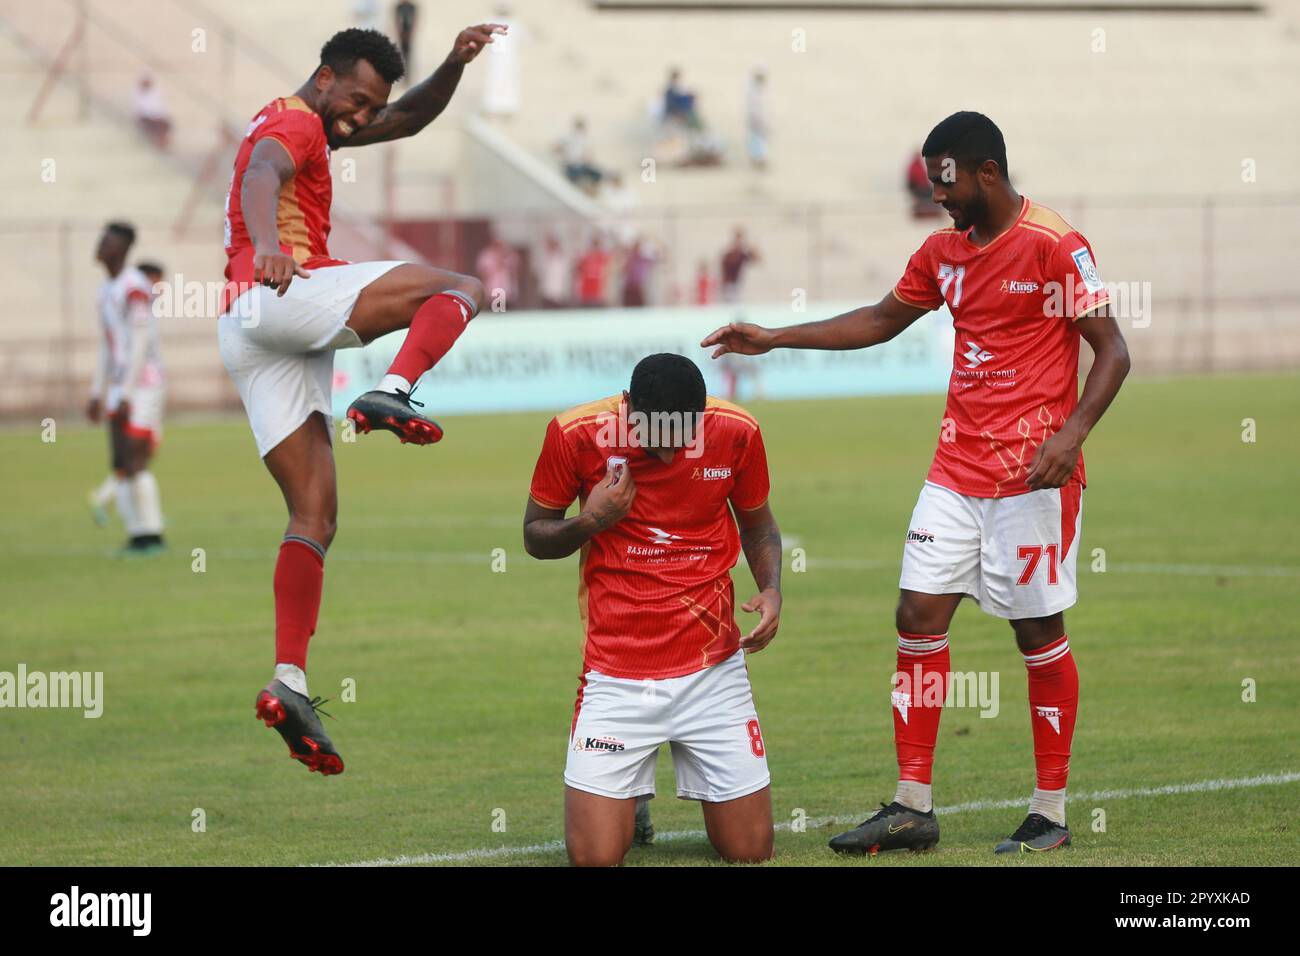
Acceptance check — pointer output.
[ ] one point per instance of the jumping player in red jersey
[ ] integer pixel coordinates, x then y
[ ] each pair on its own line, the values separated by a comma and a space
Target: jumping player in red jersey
659, 473
999, 515
289, 305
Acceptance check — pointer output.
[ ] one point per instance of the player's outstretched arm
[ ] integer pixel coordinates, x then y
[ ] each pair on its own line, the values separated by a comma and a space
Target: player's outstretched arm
548, 534
420, 105
269, 168
761, 540
1054, 460
869, 325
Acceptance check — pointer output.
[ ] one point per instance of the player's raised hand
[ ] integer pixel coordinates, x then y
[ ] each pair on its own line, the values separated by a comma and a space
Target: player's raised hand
768, 605
1054, 461
742, 338
277, 269
611, 499
471, 41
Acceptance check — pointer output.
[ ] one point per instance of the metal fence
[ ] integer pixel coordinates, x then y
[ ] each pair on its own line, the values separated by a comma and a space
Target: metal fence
1212, 280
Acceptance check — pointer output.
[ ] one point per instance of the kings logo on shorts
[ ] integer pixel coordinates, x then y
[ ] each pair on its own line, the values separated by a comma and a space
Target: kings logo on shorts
598, 745
920, 536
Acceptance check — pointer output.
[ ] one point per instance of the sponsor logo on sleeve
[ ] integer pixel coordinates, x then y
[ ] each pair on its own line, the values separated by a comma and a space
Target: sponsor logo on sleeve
1087, 270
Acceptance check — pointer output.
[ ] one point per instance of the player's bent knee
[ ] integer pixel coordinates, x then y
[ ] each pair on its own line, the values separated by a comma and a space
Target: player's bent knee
473, 289
758, 850
595, 856
911, 618
1035, 632
318, 528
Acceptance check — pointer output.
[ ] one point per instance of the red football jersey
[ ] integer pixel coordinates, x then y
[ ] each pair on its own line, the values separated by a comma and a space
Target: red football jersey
655, 590
1015, 369
303, 216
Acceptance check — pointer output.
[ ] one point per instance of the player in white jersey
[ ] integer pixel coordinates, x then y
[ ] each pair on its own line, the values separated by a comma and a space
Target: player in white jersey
129, 388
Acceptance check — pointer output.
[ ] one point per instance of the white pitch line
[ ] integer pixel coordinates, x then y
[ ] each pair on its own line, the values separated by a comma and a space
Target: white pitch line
828, 564
1200, 786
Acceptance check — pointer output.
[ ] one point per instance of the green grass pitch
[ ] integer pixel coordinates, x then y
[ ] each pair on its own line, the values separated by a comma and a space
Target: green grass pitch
465, 676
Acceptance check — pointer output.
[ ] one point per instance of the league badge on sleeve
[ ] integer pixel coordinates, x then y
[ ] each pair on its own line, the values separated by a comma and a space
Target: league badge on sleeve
1083, 261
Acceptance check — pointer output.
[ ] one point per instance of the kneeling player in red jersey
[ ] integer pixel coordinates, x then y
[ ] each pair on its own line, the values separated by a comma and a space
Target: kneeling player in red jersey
659, 472
998, 518
289, 305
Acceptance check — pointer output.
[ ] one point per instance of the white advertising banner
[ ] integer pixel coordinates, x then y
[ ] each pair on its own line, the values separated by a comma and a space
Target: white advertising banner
555, 359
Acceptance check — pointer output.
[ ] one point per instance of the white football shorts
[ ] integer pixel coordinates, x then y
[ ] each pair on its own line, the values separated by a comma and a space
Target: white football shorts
279, 350
707, 718
146, 412
1015, 556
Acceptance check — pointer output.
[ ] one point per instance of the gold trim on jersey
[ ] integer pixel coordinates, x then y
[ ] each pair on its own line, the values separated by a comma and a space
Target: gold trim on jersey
1027, 447
721, 404
1048, 219
718, 621
906, 301
547, 504
1088, 309
1041, 230
720, 413
587, 411
290, 224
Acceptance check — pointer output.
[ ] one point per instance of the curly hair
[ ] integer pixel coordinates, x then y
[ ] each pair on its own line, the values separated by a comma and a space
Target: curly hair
341, 52
970, 139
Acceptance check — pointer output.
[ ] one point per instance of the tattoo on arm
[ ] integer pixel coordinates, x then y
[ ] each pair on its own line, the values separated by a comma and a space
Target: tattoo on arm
762, 545
549, 535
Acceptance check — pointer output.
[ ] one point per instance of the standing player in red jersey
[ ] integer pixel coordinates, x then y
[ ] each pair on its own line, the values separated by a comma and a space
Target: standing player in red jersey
658, 472
289, 305
999, 515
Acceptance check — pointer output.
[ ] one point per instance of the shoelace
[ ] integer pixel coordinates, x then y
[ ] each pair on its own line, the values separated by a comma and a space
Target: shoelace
409, 399
1035, 825
315, 704
886, 810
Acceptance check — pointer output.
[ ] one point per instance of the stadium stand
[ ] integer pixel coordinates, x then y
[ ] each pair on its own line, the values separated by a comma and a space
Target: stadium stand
1139, 137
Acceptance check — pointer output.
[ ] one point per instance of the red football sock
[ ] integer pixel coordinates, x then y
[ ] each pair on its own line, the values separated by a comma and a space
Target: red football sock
434, 329
920, 688
299, 574
1053, 701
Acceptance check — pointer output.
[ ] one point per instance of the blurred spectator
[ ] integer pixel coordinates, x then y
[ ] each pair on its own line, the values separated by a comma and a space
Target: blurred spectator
575, 156
501, 83
757, 126
917, 182
497, 267
592, 274
734, 260
679, 103
621, 200
151, 112
638, 262
365, 14
404, 16
553, 274
706, 287
683, 138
